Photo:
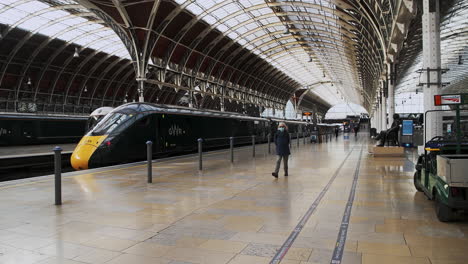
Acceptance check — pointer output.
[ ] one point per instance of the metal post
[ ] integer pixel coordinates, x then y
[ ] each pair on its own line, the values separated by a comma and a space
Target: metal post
58, 175
303, 137
200, 158
297, 138
269, 142
253, 145
458, 130
149, 156
231, 144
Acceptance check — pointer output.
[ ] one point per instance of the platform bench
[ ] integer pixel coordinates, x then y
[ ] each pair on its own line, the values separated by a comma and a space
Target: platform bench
388, 151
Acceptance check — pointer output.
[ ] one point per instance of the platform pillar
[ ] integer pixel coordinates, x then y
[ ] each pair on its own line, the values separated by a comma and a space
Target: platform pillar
391, 92
141, 89
431, 66
384, 111
378, 116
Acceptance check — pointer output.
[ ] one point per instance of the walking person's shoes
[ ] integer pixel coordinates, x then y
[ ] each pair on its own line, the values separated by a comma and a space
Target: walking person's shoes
274, 174
286, 174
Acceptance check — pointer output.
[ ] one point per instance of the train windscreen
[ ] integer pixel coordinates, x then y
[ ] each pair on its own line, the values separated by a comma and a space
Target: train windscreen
110, 123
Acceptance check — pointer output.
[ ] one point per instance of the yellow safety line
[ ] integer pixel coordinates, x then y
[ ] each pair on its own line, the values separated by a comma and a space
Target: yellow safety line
67, 177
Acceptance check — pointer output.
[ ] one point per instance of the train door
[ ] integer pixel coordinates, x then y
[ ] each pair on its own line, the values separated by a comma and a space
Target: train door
141, 132
27, 131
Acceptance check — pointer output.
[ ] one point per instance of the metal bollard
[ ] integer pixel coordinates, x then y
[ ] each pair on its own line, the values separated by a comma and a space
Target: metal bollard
253, 146
200, 158
269, 142
58, 175
231, 144
149, 156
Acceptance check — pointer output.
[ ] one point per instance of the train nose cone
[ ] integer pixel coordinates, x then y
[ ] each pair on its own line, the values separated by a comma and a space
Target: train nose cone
84, 150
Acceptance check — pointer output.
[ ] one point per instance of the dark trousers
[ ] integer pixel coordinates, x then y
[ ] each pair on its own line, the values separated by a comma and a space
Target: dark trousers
278, 163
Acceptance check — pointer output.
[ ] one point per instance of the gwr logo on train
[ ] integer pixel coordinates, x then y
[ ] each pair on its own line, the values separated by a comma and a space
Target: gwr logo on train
3, 131
175, 130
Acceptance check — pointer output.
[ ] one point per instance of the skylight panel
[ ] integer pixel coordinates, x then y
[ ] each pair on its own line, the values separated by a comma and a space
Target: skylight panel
232, 22
55, 14
223, 27
71, 34
210, 19
233, 35
74, 21
195, 9
86, 39
32, 7
91, 27
53, 29
8, 2
219, 12
33, 23
12, 15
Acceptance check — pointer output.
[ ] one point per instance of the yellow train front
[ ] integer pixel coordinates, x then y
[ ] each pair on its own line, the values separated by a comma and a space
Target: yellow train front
110, 141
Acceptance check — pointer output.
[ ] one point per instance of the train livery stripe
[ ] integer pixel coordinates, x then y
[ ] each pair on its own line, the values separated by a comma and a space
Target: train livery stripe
288, 243
341, 240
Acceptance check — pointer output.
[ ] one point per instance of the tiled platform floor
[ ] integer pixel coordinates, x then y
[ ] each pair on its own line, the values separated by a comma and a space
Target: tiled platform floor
229, 213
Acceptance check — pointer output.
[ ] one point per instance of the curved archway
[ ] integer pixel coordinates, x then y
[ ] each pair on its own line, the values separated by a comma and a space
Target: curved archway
341, 111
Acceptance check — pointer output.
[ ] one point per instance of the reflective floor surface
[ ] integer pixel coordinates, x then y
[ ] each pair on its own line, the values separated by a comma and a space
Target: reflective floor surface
233, 213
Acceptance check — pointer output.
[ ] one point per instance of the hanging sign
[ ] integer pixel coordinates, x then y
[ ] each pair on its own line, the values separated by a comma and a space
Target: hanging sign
450, 99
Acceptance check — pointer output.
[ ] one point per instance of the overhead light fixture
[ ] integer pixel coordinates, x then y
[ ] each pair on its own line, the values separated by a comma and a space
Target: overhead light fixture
460, 60
29, 81
76, 54
286, 31
85, 89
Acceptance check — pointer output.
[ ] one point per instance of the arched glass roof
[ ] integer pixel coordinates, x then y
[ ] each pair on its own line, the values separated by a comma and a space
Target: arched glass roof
342, 110
454, 51
304, 39
62, 19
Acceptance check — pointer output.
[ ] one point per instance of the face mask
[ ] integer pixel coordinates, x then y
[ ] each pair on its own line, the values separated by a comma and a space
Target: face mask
281, 129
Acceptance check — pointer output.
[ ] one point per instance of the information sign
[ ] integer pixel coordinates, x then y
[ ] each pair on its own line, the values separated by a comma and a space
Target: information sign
451, 99
407, 128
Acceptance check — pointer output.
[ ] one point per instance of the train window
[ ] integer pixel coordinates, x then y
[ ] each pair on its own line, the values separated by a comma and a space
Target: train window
145, 121
110, 122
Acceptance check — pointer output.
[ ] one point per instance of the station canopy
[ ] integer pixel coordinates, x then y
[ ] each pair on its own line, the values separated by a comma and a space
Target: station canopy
73, 56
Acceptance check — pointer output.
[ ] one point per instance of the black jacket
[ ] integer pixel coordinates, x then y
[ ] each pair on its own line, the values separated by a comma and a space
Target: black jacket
282, 143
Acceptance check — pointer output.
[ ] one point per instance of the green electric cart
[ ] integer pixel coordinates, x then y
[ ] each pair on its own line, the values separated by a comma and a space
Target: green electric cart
442, 170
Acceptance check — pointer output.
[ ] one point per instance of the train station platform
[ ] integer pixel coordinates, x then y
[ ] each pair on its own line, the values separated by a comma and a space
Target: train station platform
33, 150
338, 205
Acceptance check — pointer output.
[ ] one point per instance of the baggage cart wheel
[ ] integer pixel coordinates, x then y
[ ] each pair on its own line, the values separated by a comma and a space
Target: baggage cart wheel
443, 212
417, 181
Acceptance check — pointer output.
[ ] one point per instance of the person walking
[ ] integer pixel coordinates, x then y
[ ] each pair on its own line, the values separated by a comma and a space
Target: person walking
282, 141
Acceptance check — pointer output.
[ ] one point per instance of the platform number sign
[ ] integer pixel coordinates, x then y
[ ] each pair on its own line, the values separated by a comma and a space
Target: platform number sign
450, 99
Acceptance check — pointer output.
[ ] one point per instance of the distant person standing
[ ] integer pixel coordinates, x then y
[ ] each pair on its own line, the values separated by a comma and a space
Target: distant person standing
356, 130
282, 148
337, 131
